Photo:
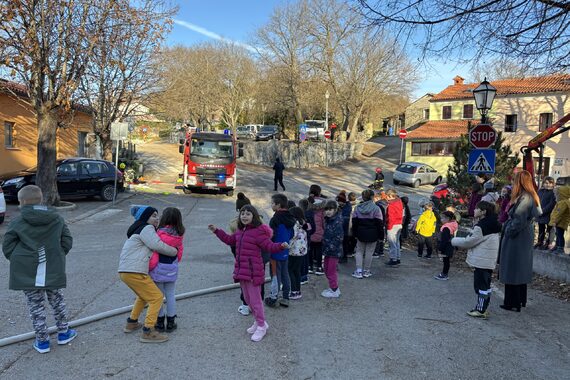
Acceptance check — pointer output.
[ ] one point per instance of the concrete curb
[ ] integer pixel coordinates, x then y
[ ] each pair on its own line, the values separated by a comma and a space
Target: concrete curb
554, 266
100, 208
65, 206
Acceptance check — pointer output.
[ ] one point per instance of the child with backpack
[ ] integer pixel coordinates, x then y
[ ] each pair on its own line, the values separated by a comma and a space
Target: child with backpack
298, 247
447, 232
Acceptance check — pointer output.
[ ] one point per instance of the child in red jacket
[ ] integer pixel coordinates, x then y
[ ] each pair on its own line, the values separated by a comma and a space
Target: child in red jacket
394, 220
251, 237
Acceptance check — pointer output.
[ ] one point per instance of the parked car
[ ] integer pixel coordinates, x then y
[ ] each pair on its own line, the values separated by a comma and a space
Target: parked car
268, 132
76, 177
2, 206
247, 131
416, 174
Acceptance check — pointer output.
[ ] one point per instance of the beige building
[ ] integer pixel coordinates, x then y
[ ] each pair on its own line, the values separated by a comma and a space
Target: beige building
18, 131
521, 110
417, 112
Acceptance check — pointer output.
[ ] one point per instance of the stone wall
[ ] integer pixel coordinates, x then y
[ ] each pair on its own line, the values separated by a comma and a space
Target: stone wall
294, 155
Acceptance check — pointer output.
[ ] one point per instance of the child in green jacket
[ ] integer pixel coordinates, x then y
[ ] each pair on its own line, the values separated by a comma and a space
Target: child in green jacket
36, 244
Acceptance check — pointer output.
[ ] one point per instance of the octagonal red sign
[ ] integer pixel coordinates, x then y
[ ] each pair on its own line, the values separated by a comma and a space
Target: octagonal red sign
482, 136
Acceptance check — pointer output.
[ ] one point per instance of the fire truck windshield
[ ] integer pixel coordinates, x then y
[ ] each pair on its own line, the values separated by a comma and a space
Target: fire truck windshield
211, 149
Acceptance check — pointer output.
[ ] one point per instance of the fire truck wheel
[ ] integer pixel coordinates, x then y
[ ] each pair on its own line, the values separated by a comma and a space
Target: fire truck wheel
186, 190
230, 193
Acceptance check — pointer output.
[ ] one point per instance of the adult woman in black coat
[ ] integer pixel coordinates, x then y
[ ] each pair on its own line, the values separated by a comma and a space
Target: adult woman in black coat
516, 251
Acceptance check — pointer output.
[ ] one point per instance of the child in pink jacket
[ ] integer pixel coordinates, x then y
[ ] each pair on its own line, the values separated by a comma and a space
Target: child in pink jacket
251, 238
164, 269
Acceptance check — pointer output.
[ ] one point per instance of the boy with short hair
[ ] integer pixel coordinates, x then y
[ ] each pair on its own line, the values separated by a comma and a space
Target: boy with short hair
282, 223
36, 244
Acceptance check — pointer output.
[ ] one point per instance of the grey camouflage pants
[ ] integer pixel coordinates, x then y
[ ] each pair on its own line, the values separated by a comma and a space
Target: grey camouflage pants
36, 300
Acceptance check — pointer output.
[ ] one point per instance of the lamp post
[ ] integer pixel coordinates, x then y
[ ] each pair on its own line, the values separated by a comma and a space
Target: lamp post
484, 95
327, 95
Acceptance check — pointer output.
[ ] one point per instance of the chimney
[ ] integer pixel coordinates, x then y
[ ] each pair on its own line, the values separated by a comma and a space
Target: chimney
458, 80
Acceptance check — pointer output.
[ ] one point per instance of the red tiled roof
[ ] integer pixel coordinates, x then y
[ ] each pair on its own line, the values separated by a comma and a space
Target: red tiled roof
552, 83
440, 129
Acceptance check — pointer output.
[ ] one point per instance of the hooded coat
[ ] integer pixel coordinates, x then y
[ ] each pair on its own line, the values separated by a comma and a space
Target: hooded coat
367, 223
482, 243
333, 236
317, 212
547, 203
560, 216
282, 224
249, 243
515, 255
36, 243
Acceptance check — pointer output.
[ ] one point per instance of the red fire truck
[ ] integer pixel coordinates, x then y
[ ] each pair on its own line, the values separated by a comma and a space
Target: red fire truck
209, 162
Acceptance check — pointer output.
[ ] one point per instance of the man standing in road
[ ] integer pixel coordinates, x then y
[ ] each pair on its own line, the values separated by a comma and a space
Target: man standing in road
278, 167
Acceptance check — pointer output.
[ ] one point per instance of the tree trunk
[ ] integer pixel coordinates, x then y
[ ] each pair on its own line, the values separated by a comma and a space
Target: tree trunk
354, 124
46, 177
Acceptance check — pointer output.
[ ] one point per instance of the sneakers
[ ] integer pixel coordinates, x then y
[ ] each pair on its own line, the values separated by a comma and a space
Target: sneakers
271, 302
366, 274
357, 274
441, 277
295, 295
319, 271
159, 325
252, 329
376, 255
243, 310
329, 293
132, 326
311, 270
284, 302
428, 257
393, 263
420, 256
152, 336
477, 314
259, 333
41, 347
171, 323
66, 337
304, 281
350, 255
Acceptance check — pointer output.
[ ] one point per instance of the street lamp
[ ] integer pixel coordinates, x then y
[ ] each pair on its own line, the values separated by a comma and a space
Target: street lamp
327, 95
484, 95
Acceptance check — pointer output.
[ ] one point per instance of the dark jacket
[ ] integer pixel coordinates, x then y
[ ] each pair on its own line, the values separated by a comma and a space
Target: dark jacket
547, 203
346, 212
36, 243
242, 202
333, 236
516, 252
278, 167
367, 223
282, 224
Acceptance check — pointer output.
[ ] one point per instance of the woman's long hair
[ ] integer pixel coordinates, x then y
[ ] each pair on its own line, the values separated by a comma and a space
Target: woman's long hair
523, 183
256, 222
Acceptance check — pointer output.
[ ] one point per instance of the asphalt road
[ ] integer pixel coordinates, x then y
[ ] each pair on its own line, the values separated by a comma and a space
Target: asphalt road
398, 324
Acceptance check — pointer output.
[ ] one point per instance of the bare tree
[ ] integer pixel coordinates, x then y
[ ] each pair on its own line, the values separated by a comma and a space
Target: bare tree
47, 45
122, 68
284, 45
531, 32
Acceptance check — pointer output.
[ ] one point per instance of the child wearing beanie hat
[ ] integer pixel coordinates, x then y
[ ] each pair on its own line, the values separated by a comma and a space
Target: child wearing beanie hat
133, 271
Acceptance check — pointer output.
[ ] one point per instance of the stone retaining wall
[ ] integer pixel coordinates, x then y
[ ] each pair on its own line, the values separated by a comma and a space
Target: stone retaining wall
294, 155
553, 266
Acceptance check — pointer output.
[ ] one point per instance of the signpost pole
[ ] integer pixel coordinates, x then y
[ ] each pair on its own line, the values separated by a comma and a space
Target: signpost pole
402, 134
116, 171
401, 149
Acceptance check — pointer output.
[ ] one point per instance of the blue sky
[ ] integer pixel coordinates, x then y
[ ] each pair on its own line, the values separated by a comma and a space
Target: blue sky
236, 20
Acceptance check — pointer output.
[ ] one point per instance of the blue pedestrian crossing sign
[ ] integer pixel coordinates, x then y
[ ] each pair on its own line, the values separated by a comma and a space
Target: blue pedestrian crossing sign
303, 128
481, 161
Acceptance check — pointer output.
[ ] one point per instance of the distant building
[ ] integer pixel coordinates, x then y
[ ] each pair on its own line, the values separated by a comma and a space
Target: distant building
417, 112
19, 130
521, 110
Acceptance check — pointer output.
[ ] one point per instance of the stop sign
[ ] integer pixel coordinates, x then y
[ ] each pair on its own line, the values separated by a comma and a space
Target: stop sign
482, 136
327, 134
403, 133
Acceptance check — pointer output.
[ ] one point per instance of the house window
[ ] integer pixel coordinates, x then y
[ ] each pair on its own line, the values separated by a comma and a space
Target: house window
545, 121
510, 123
443, 148
468, 111
9, 135
426, 113
446, 114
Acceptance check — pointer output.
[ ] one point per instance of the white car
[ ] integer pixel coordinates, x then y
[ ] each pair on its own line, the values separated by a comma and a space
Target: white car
2, 206
416, 174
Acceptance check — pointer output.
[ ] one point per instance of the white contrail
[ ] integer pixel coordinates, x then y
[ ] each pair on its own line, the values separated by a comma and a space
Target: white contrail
215, 36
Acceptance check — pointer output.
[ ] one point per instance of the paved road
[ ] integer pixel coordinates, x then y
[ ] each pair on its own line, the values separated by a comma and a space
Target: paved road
398, 324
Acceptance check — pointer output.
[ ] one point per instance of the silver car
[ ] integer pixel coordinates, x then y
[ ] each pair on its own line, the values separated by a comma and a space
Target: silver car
416, 174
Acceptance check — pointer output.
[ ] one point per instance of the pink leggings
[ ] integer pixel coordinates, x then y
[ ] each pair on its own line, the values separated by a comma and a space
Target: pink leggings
330, 271
252, 295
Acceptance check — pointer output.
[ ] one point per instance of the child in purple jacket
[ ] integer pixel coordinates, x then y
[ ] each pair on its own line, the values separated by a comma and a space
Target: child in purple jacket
251, 237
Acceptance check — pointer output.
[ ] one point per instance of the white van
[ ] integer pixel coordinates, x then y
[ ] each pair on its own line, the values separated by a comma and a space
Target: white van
316, 129
247, 131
